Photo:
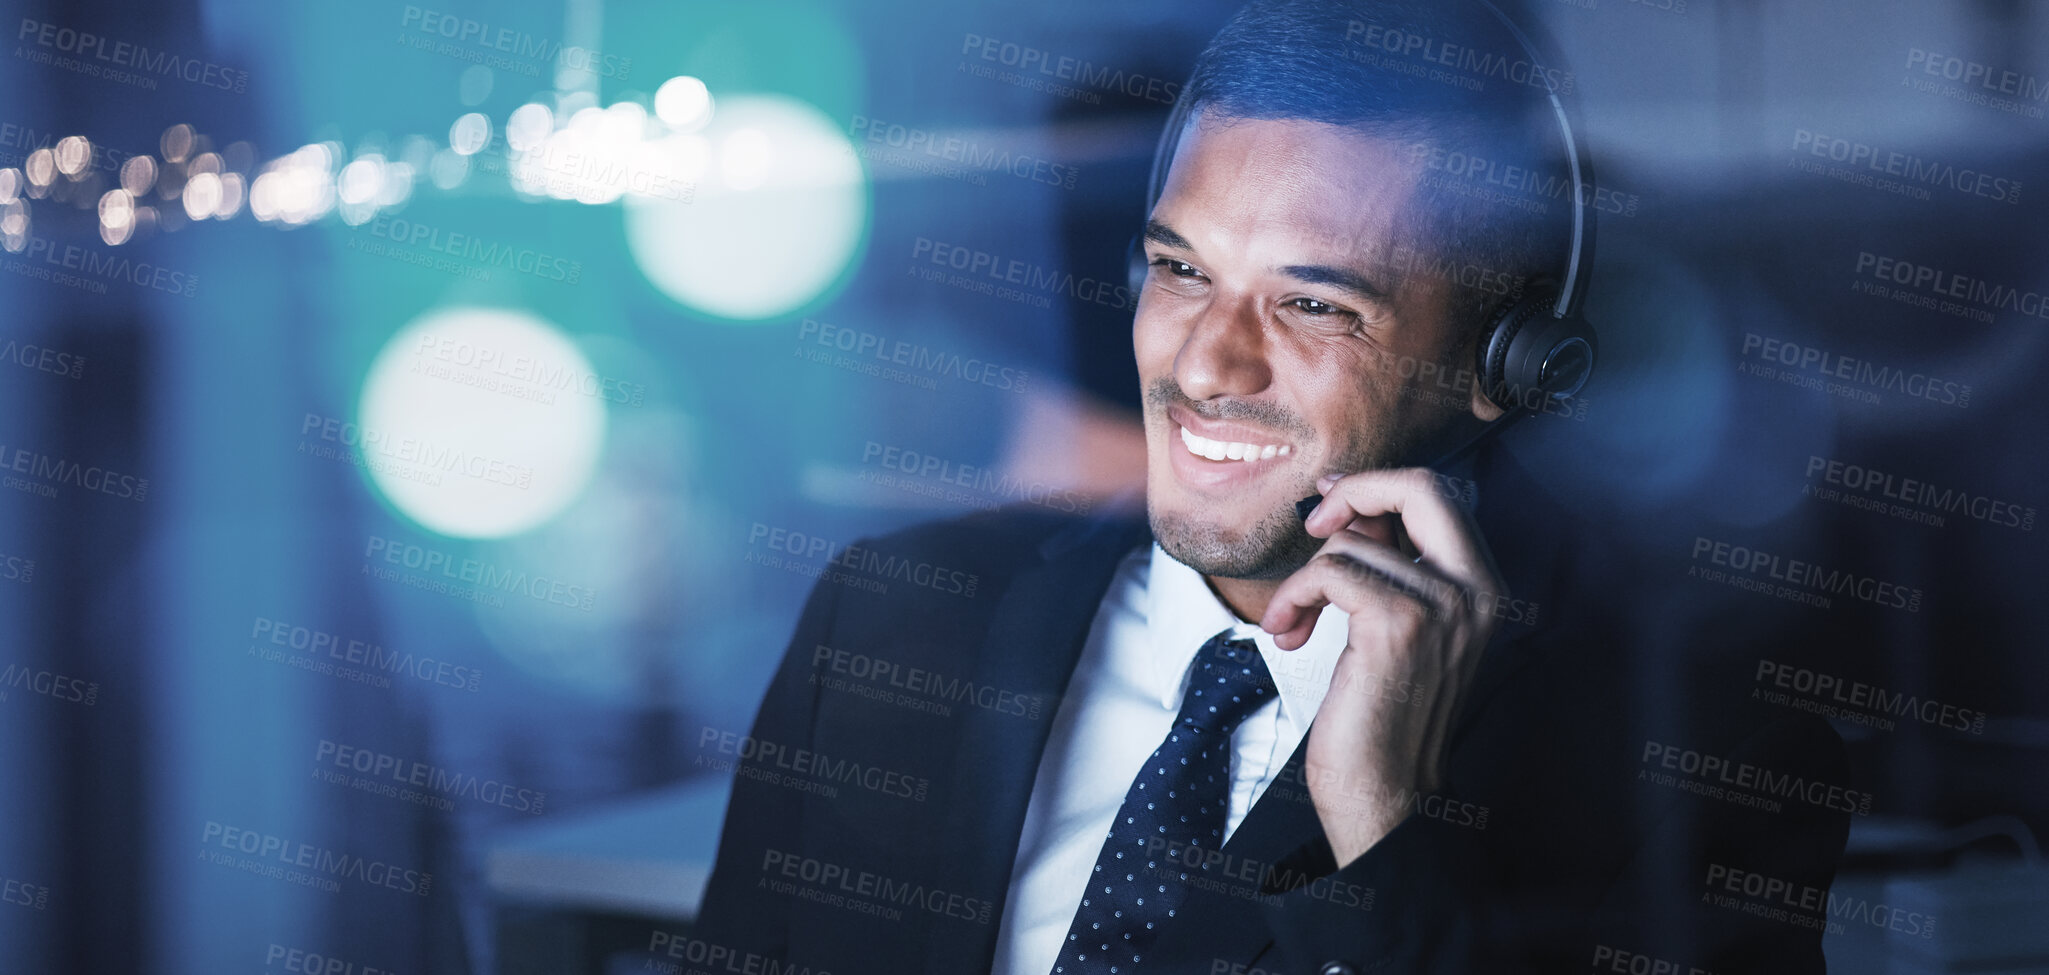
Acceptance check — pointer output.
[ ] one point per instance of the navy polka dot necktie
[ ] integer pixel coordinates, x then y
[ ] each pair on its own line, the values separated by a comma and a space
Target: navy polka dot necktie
1175, 807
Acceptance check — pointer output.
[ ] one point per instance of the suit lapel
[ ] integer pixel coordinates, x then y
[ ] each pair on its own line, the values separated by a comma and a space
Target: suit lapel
1036, 634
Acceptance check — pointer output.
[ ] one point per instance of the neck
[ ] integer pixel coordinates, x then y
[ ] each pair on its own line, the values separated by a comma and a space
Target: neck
1246, 597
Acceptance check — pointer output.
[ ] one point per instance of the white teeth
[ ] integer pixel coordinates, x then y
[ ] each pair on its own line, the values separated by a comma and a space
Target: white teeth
1230, 450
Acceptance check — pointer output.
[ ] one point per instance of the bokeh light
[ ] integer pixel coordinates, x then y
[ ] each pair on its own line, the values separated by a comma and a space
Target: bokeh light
14, 225
448, 169
480, 422
360, 179
72, 154
232, 192
41, 167
527, 126
683, 103
176, 143
239, 156
138, 174
777, 224
295, 190
117, 216
469, 133
475, 84
202, 195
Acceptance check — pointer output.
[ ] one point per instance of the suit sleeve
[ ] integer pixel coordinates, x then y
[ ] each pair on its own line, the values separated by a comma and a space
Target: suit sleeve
738, 914
1439, 904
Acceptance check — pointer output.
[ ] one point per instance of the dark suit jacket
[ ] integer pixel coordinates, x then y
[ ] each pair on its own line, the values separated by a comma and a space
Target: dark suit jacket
879, 804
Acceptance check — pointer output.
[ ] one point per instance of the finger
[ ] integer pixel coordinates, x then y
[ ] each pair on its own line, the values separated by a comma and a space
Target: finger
1409, 495
1440, 530
1384, 529
1354, 572
1388, 564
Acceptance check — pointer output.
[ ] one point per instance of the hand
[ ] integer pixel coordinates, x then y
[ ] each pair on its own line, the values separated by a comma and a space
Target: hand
1424, 621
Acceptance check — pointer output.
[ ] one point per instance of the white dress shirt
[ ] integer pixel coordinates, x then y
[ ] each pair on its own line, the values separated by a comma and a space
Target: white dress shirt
1124, 696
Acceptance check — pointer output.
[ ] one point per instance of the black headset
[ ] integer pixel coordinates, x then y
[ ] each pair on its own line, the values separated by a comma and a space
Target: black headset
1538, 347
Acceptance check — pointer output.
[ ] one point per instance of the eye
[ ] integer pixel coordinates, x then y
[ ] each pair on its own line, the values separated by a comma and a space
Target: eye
1180, 269
1317, 309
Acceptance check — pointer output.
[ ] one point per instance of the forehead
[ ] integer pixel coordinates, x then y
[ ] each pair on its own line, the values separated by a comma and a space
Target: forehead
1289, 188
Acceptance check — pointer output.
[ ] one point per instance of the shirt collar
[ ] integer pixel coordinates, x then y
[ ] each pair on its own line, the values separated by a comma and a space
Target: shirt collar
1183, 614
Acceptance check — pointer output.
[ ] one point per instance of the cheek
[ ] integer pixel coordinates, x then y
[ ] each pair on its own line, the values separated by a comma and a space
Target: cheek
1351, 414
1328, 385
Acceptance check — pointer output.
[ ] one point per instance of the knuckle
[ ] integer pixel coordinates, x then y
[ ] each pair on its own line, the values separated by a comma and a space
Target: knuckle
1339, 560
1414, 612
1452, 601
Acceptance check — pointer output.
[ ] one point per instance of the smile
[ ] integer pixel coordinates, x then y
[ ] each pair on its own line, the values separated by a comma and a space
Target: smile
1204, 447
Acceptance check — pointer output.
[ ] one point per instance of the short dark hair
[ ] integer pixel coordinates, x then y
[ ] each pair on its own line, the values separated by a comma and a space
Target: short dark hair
1444, 76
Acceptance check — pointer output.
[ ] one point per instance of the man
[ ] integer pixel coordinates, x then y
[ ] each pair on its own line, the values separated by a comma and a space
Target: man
1226, 739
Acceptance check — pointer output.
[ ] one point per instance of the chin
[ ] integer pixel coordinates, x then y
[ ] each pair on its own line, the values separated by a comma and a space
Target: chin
1268, 545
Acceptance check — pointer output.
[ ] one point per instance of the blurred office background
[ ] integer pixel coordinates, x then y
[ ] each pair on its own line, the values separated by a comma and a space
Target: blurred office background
460, 399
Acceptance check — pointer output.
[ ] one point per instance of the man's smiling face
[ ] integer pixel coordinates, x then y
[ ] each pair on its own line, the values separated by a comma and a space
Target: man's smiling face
1272, 335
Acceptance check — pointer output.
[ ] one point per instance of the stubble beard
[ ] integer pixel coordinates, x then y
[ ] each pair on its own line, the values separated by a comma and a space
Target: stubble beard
1273, 548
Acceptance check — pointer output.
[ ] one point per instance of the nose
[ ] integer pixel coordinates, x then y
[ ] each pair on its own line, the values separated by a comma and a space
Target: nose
1224, 352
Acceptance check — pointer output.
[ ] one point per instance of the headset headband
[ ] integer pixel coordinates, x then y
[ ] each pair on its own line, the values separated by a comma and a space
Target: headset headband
1574, 287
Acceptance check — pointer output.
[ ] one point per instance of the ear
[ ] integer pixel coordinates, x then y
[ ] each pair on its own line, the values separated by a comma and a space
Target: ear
1483, 407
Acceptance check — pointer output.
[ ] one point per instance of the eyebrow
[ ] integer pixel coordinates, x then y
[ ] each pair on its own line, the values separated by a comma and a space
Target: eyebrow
1166, 236
1343, 278
1337, 277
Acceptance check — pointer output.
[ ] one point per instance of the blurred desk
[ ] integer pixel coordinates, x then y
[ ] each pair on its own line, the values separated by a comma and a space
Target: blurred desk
575, 890
1981, 915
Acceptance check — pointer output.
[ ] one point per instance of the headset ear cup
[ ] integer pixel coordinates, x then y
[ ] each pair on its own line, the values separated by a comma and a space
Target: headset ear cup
1494, 351
1135, 266
1531, 355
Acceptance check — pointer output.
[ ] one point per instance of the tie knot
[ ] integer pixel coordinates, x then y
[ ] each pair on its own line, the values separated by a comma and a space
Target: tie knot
1230, 682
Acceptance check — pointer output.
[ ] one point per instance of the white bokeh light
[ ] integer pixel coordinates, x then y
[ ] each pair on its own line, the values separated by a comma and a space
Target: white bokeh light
232, 192
776, 219
480, 422
527, 126
73, 153
745, 159
117, 217
360, 179
683, 103
202, 196
469, 133
41, 167
296, 189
